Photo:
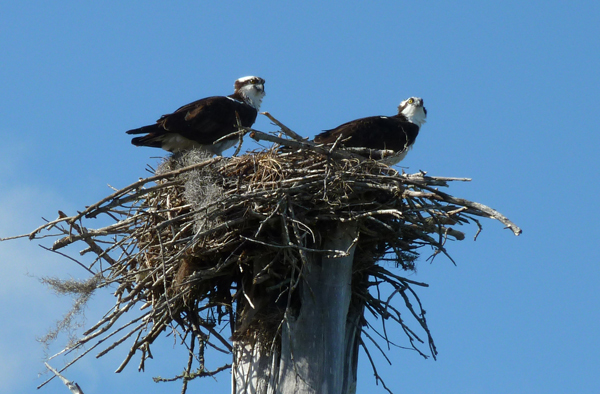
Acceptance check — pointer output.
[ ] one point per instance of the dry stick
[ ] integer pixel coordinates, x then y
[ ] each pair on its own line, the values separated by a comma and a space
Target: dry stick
333, 252
200, 374
190, 361
70, 258
421, 319
386, 275
241, 132
130, 300
72, 386
259, 135
122, 339
286, 130
377, 377
375, 154
142, 182
85, 234
424, 178
132, 197
432, 346
82, 341
134, 347
220, 338
164, 274
385, 315
378, 347
489, 212
492, 213
49, 225
68, 350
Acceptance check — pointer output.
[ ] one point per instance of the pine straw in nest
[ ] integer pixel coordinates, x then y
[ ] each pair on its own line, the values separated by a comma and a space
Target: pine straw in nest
203, 239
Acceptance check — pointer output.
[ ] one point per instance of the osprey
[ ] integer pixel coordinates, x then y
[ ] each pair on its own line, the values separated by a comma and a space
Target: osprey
397, 133
201, 123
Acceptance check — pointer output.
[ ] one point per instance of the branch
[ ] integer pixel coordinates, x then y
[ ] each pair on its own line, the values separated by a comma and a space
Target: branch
339, 154
72, 386
286, 130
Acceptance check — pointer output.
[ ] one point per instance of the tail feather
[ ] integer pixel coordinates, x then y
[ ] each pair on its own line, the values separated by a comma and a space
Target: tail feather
152, 138
144, 130
147, 140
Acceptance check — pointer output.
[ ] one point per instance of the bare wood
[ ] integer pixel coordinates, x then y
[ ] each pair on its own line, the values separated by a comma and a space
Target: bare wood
259, 135
142, 182
72, 386
286, 130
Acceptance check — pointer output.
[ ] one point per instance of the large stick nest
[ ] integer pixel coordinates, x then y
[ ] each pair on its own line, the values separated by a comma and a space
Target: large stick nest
211, 243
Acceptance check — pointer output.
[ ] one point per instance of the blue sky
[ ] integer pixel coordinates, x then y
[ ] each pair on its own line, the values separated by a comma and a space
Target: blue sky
511, 91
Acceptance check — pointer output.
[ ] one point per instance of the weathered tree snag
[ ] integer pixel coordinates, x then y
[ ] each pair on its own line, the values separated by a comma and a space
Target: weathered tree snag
313, 345
352, 340
316, 342
253, 368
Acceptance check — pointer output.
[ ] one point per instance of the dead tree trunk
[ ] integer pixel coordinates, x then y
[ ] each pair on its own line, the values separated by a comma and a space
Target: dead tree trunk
318, 350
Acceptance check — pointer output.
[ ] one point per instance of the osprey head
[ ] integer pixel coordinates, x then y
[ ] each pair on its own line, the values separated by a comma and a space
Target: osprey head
414, 111
251, 90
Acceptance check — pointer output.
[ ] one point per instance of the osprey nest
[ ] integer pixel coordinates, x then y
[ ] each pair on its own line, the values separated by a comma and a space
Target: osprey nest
203, 238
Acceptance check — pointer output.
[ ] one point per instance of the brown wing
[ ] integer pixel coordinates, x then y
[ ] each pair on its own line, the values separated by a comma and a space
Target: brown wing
203, 121
208, 119
375, 132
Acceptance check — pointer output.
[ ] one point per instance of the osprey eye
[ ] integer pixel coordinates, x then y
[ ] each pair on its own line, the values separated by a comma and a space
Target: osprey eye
410, 101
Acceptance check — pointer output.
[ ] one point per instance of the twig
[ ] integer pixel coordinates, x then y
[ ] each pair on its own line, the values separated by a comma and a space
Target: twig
259, 135
72, 386
286, 130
